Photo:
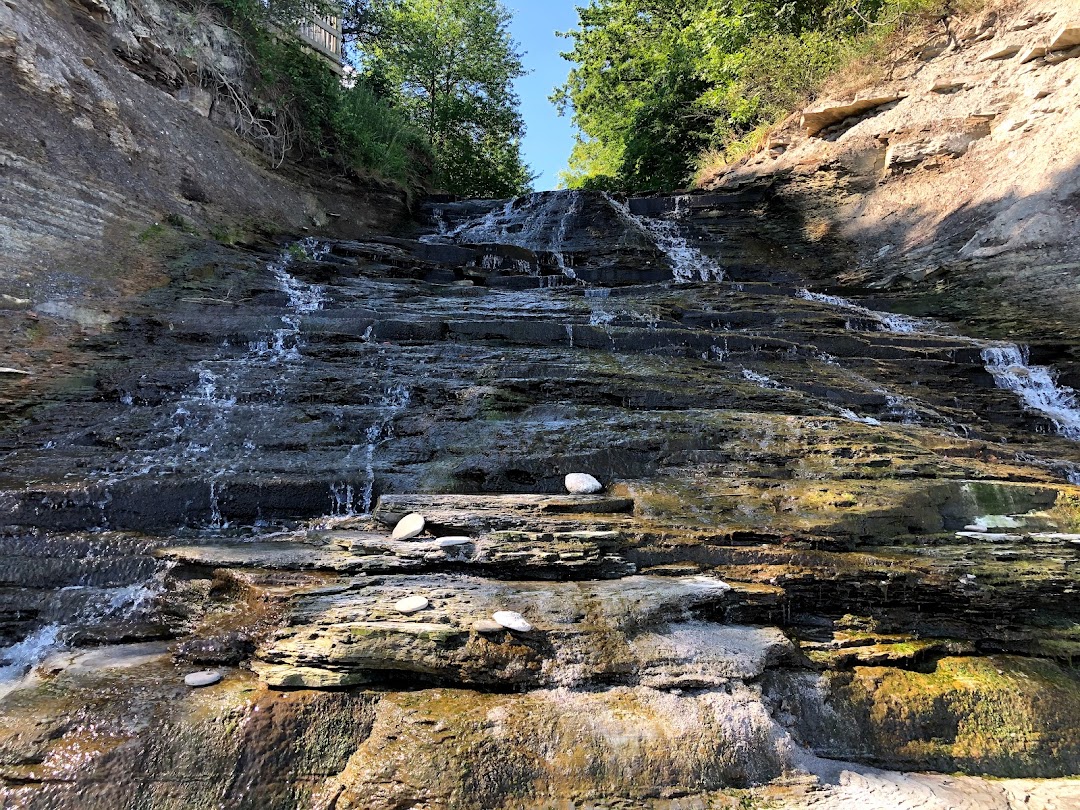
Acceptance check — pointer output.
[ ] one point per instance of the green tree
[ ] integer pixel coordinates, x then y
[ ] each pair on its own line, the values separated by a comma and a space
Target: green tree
631, 93
655, 83
451, 64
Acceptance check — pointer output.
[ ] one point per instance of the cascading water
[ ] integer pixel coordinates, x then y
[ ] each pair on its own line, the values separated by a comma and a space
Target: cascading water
394, 401
203, 427
1007, 363
539, 222
687, 262
1036, 386
100, 606
886, 321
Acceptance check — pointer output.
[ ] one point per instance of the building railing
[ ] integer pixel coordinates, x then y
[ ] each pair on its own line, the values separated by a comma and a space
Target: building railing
323, 35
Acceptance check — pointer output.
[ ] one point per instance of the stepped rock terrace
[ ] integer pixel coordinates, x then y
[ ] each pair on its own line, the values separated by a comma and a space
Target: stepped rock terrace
835, 556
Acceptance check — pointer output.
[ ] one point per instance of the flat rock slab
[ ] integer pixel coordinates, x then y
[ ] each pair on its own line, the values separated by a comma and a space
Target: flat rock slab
1067, 37
473, 514
109, 657
816, 120
703, 654
279, 556
581, 631
512, 554
862, 788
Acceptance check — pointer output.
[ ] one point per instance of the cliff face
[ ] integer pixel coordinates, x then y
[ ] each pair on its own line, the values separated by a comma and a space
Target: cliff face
834, 539
107, 129
957, 171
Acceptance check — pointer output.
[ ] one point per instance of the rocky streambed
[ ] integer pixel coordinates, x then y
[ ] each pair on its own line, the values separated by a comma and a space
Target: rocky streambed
834, 563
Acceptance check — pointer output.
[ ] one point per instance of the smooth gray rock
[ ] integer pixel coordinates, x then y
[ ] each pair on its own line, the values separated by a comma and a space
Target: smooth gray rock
411, 604
511, 620
453, 542
205, 678
409, 526
582, 484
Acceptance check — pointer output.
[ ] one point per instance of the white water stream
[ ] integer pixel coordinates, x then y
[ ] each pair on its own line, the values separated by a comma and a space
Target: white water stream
1037, 387
116, 605
687, 262
1008, 363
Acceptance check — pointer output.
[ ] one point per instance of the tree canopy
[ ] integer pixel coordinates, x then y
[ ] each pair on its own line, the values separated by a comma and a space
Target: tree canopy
450, 64
657, 82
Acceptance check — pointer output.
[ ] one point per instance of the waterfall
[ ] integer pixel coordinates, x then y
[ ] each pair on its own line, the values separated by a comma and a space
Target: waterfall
394, 401
104, 606
572, 210
762, 381
886, 321
203, 424
284, 344
687, 262
1036, 386
539, 222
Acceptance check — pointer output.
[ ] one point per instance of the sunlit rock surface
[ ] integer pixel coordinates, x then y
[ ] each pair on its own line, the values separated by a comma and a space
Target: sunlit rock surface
836, 551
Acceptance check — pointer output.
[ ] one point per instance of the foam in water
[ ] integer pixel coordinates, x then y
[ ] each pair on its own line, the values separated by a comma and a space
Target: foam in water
1036, 386
687, 262
533, 218
761, 380
886, 321
303, 297
123, 603
849, 414
18, 659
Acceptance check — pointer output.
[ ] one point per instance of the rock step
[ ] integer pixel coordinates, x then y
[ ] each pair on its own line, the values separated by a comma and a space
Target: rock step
569, 556
273, 556
465, 514
649, 630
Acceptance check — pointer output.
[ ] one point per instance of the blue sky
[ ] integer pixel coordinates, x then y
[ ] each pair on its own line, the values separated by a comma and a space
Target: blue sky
549, 137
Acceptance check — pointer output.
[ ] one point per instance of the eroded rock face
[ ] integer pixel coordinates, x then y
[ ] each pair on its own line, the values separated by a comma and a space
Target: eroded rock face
958, 194
825, 530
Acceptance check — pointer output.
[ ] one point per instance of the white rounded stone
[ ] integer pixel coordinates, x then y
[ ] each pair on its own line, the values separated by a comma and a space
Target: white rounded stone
512, 620
450, 542
207, 677
411, 604
409, 527
582, 484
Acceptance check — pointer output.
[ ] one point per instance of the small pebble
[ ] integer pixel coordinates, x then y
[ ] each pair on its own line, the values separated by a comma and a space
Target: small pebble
207, 677
411, 604
409, 527
487, 626
512, 620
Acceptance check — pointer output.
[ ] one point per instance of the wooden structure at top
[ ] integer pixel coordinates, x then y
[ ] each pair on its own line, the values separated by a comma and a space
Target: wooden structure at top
323, 35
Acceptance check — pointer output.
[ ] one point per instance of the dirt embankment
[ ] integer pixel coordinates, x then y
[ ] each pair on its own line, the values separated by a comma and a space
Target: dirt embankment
954, 175
116, 137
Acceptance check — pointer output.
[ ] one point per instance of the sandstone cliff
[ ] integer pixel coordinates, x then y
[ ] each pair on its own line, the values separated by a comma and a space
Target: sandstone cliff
953, 167
114, 118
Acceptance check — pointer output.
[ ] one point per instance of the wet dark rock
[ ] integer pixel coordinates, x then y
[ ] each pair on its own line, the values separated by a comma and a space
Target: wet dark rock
226, 649
804, 514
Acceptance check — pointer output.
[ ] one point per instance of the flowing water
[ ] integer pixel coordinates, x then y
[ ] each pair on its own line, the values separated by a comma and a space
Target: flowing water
792, 503
100, 607
687, 262
1037, 387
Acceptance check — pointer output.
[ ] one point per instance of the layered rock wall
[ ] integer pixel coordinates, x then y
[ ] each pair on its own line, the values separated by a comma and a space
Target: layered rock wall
954, 170
115, 121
